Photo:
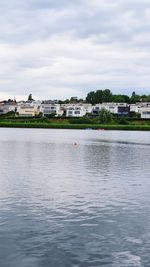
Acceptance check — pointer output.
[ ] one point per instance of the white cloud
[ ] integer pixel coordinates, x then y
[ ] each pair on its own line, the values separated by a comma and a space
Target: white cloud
56, 51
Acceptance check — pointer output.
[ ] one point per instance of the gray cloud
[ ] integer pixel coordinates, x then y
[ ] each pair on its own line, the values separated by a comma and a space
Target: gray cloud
57, 49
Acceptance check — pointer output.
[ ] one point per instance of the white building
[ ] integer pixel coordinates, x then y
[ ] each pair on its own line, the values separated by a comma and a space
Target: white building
112, 107
49, 109
145, 113
78, 110
75, 111
7, 106
135, 108
87, 108
139, 107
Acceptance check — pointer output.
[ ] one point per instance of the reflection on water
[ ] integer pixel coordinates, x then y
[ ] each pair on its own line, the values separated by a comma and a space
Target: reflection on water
66, 205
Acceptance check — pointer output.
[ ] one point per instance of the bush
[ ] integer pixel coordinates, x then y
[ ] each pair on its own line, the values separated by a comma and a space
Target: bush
80, 120
52, 115
105, 116
123, 121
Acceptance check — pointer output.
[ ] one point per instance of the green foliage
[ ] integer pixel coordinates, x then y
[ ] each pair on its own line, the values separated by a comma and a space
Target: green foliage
145, 98
83, 120
77, 123
55, 125
91, 98
52, 115
107, 96
135, 98
120, 99
123, 121
135, 114
105, 116
42, 119
9, 114
99, 96
30, 97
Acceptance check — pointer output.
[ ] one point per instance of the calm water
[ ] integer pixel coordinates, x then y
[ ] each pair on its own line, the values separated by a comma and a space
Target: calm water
66, 205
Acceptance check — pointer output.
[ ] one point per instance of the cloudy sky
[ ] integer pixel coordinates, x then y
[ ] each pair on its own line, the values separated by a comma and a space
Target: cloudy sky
62, 48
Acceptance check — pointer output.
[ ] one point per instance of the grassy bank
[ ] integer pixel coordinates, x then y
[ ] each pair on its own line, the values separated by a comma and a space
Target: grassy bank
66, 125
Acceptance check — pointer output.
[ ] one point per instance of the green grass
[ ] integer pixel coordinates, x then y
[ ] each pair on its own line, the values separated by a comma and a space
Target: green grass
66, 125
75, 123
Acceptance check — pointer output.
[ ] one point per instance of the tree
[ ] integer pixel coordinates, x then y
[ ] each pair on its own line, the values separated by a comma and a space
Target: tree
148, 98
120, 99
105, 116
91, 98
107, 96
30, 97
66, 101
98, 96
145, 98
135, 98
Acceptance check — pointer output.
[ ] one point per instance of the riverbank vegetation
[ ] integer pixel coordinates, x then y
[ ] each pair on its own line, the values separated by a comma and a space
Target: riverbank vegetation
103, 121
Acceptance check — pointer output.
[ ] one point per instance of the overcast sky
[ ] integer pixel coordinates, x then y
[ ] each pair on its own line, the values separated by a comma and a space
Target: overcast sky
62, 48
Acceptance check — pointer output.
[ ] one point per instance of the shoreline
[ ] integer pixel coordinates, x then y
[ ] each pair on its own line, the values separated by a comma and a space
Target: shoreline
75, 126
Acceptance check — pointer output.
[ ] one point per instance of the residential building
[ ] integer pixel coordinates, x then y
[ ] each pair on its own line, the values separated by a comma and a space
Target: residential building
50, 108
28, 110
77, 110
7, 106
145, 113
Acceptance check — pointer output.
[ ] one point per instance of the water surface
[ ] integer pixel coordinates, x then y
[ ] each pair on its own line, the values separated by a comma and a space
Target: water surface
77, 205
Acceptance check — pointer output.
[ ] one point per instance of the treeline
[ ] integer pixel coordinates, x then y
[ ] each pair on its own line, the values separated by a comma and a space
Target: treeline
100, 96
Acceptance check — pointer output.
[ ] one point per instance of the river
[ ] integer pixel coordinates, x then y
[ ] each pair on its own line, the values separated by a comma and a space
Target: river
74, 198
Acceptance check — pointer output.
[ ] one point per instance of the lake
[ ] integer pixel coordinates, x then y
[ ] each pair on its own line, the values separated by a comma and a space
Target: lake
74, 198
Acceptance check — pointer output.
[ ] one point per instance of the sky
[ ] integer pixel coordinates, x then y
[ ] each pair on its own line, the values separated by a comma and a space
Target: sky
56, 49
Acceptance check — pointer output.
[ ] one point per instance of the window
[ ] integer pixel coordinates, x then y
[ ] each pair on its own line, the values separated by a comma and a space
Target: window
146, 112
